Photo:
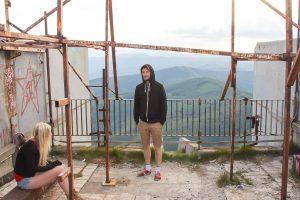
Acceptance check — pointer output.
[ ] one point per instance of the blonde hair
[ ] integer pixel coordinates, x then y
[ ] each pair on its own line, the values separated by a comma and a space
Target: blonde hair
42, 132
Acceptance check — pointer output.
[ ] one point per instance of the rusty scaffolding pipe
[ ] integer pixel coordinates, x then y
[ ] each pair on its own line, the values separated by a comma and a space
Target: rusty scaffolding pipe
67, 95
233, 85
287, 98
60, 41
49, 83
44, 17
280, 13
102, 44
113, 49
106, 100
6, 5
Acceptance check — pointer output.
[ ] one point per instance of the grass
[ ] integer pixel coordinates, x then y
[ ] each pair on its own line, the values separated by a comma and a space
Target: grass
237, 179
117, 154
224, 180
294, 175
294, 148
221, 155
120, 154
79, 174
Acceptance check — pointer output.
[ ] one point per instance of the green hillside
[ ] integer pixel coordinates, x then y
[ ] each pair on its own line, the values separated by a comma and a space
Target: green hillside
183, 76
200, 87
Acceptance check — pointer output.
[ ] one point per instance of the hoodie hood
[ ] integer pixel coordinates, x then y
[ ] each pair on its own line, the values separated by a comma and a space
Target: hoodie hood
152, 74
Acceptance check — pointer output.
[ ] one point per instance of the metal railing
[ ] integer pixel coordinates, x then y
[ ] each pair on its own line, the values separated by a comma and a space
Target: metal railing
84, 117
204, 118
185, 117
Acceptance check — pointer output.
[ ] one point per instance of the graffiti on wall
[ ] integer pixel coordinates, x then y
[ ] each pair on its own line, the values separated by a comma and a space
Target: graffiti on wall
9, 85
29, 85
22, 95
5, 138
30, 91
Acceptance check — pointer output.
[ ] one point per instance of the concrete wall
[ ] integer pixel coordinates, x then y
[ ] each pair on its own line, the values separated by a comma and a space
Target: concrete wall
26, 76
31, 95
269, 83
78, 57
30, 90
4, 120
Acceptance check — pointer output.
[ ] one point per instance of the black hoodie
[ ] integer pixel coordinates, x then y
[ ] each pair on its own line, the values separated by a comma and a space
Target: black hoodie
150, 103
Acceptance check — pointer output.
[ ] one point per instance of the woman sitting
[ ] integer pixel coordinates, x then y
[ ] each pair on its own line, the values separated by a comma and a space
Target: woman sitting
32, 170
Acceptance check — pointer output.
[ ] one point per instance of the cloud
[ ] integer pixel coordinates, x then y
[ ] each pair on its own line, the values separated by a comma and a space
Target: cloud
257, 31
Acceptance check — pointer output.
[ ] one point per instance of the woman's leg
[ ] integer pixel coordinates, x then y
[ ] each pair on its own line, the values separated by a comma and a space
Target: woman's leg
65, 185
43, 179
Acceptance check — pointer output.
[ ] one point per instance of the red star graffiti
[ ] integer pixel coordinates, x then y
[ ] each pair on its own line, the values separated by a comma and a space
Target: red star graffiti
29, 85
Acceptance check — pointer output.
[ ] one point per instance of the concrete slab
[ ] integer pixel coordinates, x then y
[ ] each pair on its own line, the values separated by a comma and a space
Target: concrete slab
179, 181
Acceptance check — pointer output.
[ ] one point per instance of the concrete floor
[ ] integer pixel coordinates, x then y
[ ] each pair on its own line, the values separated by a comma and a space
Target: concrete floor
179, 181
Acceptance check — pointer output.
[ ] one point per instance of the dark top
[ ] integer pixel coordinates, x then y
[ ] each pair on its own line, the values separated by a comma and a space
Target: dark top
154, 93
27, 160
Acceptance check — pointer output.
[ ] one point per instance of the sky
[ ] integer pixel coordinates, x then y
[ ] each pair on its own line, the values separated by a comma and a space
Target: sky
186, 23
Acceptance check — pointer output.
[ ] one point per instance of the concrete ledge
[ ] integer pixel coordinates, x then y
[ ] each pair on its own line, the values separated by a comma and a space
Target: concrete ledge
6, 161
187, 146
7, 151
6, 178
20, 194
296, 133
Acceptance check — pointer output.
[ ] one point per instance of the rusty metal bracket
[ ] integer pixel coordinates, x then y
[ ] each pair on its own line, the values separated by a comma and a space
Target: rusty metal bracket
15, 55
62, 102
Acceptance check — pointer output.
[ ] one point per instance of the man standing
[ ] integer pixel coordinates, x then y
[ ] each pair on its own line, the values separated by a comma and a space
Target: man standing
150, 109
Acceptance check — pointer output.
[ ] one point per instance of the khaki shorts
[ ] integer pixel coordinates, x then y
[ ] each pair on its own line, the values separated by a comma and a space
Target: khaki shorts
153, 129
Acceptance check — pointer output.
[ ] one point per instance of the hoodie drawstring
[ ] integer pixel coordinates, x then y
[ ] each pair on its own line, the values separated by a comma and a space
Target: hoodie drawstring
147, 90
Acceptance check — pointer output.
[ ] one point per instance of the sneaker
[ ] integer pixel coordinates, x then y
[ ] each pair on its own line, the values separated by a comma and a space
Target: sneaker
144, 173
157, 176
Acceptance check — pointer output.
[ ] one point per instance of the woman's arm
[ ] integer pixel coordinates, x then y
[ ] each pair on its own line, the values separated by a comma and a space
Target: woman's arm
32, 161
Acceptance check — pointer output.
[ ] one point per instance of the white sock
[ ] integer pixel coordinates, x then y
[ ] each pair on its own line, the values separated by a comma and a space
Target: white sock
157, 169
148, 167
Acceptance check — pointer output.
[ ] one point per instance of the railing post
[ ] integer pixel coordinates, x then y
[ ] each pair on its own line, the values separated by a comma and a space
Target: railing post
103, 98
256, 124
245, 124
97, 121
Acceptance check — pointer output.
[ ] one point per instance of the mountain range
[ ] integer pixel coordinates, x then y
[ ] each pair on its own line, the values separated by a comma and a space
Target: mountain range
184, 82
